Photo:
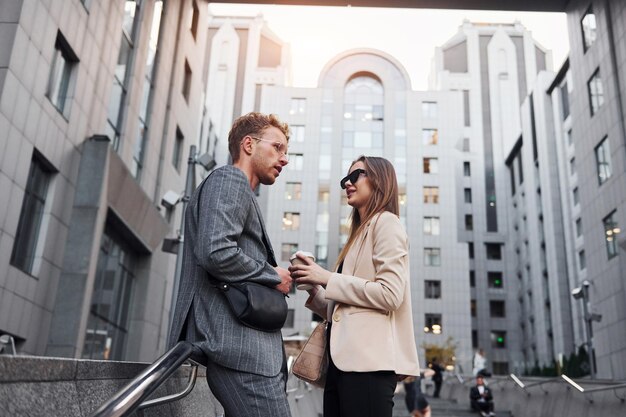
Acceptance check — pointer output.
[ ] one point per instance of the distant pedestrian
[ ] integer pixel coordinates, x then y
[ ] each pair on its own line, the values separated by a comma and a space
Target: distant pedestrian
481, 398
480, 364
437, 377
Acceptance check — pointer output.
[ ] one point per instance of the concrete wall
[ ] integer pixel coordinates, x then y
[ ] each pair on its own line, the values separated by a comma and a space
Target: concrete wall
43, 387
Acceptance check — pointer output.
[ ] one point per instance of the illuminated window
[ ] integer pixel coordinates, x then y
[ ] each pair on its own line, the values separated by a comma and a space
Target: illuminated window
611, 232
431, 195
293, 191
431, 166
291, 221
430, 137
298, 106
432, 323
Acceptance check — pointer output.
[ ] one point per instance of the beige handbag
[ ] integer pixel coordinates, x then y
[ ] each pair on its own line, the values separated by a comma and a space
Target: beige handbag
311, 364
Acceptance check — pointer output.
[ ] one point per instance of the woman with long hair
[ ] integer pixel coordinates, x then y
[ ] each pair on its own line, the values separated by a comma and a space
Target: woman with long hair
367, 300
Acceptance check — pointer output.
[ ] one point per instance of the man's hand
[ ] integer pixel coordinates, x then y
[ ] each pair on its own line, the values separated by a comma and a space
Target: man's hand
285, 280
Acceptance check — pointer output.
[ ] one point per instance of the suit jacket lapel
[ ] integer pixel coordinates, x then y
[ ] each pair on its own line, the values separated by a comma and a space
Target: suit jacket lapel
270, 252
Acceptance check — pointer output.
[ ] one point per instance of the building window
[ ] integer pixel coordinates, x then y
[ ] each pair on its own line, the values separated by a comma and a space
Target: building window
293, 191
291, 221
193, 22
430, 137
429, 109
572, 166
107, 324
498, 339
500, 368
596, 92
564, 91
187, 82
568, 137
297, 133
466, 145
589, 29
611, 230
603, 160
497, 309
467, 195
122, 74
431, 226
494, 251
582, 261
431, 195
469, 222
298, 106
575, 196
467, 169
31, 215
286, 250
177, 153
432, 289
473, 307
431, 166
470, 249
296, 162
432, 323
432, 257
579, 227
472, 278
474, 339
60, 87
494, 279
466, 108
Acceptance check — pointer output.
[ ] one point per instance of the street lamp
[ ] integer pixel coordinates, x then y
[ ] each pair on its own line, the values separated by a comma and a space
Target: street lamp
171, 199
579, 293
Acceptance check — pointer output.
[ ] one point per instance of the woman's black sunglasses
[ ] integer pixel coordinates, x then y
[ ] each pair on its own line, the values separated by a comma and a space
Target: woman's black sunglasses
353, 177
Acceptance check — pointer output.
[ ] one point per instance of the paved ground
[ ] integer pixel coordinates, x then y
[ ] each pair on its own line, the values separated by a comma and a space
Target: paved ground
440, 407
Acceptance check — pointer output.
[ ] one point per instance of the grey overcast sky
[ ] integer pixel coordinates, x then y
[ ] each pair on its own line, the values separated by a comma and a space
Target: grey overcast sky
317, 34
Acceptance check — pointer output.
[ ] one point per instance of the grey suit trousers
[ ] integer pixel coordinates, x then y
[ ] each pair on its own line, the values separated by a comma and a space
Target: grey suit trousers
243, 394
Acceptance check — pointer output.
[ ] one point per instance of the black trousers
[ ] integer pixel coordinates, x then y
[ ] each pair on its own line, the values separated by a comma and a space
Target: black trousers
358, 394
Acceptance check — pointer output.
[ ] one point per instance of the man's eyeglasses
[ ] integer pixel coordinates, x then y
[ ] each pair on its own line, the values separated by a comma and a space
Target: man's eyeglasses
281, 148
352, 177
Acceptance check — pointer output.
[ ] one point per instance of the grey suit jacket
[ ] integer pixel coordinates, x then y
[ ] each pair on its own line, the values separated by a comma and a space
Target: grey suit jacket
224, 242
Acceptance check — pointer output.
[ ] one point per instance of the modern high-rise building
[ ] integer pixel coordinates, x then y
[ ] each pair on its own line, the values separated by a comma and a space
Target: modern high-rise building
588, 98
98, 105
494, 67
243, 55
364, 105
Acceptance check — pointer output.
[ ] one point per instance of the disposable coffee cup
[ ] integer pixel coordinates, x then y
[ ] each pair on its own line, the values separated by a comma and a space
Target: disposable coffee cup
297, 261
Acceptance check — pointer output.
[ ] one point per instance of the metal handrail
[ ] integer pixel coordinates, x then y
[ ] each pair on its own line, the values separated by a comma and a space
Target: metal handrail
565, 379
591, 390
131, 398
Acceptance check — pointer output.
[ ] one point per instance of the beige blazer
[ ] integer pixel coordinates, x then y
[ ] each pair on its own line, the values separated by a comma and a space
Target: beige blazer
369, 303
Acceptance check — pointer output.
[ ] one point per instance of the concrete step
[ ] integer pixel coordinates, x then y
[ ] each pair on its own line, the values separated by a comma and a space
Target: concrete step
440, 408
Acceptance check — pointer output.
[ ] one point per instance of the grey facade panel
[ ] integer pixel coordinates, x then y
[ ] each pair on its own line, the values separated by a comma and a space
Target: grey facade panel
455, 58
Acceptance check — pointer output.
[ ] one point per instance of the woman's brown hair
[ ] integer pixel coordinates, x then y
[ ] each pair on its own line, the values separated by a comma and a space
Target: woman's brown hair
382, 178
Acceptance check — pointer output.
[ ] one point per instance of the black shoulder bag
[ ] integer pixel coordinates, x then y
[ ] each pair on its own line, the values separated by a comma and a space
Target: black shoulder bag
255, 305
